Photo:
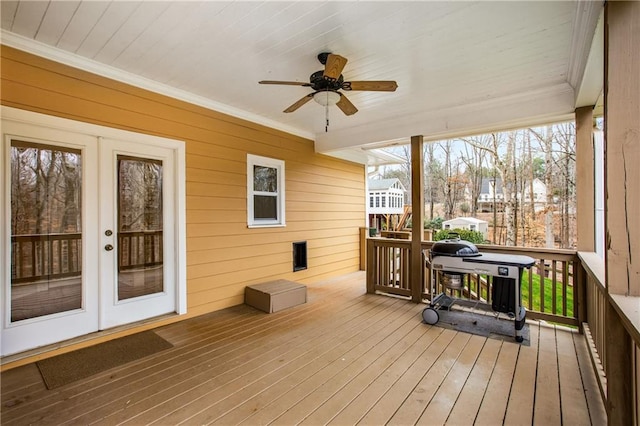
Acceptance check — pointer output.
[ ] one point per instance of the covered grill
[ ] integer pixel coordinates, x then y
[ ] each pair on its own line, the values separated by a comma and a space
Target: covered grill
452, 259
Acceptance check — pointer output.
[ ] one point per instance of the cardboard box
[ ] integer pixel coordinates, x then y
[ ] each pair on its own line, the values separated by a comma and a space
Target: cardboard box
275, 296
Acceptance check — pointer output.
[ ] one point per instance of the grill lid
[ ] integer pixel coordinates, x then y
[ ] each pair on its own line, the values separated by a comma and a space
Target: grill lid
454, 247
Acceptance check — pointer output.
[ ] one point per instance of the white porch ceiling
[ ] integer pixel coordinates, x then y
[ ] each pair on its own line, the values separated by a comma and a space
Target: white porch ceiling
461, 67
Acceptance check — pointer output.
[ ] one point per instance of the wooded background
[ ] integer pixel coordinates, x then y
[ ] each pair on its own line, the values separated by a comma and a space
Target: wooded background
454, 170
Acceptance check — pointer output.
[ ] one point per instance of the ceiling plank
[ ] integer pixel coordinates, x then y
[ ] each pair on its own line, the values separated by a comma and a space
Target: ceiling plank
110, 22
28, 17
81, 23
55, 21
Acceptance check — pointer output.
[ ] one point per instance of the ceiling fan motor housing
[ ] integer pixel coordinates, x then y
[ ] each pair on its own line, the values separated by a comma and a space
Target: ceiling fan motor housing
320, 82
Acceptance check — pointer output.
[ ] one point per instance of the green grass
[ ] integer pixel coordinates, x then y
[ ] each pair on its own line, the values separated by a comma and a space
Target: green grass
548, 295
536, 290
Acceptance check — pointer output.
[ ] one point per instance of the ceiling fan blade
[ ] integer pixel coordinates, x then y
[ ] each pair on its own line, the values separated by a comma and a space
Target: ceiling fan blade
334, 66
346, 106
379, 86
299, 103
289, 83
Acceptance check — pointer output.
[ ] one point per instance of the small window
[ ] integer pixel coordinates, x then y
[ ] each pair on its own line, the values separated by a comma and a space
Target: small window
371, 201
384, 201
265, 191
472, 227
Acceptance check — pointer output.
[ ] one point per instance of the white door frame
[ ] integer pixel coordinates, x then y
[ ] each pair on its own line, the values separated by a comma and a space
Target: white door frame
50, 128
114, 312
22, 335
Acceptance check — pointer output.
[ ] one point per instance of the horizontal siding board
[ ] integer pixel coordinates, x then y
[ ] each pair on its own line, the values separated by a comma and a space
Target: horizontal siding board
248, 240
325, 196
235, 229
230, 253
259, 259
214, 176
233, 216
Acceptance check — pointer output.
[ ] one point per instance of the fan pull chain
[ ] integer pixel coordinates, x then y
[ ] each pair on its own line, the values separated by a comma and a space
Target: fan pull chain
326, 109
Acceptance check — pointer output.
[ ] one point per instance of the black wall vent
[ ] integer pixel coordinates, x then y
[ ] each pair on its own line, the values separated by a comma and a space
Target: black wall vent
299, 256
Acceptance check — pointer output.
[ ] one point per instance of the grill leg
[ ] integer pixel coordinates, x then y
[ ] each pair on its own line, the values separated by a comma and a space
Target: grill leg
519, 323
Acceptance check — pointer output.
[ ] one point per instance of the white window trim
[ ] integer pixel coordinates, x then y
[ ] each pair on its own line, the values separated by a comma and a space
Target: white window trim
256, 160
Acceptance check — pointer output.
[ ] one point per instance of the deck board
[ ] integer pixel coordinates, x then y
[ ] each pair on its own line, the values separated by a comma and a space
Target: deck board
574, 404
494, 404
468, 403
547, 409
597, 413
343, 358
520, 406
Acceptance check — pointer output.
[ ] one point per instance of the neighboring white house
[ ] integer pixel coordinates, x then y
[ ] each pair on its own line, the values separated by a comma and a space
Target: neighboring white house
386, 196
470, 223
491, 194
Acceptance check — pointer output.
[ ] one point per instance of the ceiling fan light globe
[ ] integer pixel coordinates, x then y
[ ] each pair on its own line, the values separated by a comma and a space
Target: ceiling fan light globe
326, 98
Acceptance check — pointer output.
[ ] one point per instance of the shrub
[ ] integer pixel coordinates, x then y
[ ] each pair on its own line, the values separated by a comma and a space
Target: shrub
435, 223
465, 234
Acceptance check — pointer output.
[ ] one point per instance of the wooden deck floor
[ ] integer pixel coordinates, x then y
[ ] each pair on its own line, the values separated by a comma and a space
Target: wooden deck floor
343, 358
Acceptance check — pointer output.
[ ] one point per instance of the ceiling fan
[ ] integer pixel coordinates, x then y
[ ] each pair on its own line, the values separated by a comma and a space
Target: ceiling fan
327, 83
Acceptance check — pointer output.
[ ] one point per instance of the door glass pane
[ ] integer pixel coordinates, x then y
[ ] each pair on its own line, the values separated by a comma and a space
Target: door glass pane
140, 242
46, 234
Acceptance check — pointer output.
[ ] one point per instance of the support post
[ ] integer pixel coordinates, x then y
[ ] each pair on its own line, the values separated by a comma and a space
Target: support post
622, 195
585, 179
622, 147
417, 217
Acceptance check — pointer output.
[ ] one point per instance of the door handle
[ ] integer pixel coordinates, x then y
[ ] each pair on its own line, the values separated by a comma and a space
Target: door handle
108, 247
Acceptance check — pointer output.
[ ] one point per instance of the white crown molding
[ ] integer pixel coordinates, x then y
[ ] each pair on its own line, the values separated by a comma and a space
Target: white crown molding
584, 28
58, 55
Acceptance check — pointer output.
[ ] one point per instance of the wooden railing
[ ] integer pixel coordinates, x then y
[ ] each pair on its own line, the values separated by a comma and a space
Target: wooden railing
595, 323
139, 249
549, 289
54, 256
612, 331
388, 266
48, 256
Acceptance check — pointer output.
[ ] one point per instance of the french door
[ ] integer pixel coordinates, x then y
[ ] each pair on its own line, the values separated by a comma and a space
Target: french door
136, 256
90, 235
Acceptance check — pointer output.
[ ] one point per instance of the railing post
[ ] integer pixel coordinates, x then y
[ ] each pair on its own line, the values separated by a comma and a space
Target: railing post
363, 248
417, 215
580, 293
371, 265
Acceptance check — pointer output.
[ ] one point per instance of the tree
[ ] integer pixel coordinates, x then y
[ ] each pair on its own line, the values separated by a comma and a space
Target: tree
504, 165
565, 178
432, 169
453, 181
545, 139
474, 160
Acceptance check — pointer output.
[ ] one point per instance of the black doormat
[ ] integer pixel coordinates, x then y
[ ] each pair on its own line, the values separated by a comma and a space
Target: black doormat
482, 325
67, 368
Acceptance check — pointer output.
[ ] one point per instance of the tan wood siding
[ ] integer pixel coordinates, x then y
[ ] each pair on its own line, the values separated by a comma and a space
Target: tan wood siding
325, 197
